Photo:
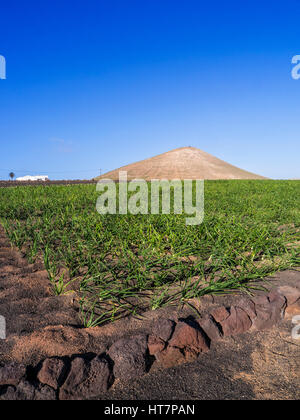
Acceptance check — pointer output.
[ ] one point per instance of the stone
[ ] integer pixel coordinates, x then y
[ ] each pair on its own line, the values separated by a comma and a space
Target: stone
189, 336
293, 310
12, 373
220, 314
78, 374
290, 293
6, 394
44, 393
129, 356
261, 300
171, 356
52, 372
155, 345
270, 310
163, 328
86, 379
26, 391
248, 306
210, 327
238, 322
190, 355
277, 300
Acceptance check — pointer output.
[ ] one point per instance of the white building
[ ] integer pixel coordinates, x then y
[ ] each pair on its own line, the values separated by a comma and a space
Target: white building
33, 178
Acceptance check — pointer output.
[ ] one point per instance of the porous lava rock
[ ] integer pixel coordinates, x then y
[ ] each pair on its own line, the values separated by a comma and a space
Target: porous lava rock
12, 373
171, 356
269, 309
129, 356
155, 345
52, 372
163, 328
27, 391
86, 379
188, 335
292, 294
237, 322
210, 327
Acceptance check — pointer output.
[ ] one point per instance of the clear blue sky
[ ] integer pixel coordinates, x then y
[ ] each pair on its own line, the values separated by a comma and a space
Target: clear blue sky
100, 84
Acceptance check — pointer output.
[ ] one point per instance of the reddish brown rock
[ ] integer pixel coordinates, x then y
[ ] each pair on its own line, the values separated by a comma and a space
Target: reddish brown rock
77, 376
52, 372
293, 309
163, 328
189, 336
155, 344
190, 355
290, 293
170, 357
270, 310
248, 306
276, 299
129, 356
261, 300
238, 322
12, 373
210, 327
86, 379
220, 314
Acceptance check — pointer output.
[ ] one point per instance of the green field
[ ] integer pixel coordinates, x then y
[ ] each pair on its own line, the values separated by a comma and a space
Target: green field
121, 264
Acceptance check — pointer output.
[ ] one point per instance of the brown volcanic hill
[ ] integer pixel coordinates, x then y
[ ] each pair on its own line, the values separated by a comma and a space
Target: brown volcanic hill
182, 163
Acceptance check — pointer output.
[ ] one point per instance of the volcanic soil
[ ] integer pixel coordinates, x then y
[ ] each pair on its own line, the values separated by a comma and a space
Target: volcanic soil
253, 365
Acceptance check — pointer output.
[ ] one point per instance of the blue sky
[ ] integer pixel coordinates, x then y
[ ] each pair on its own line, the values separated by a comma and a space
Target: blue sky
99, 84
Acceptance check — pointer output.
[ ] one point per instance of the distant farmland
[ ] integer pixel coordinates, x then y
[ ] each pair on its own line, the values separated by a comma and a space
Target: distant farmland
121, 264
9, 184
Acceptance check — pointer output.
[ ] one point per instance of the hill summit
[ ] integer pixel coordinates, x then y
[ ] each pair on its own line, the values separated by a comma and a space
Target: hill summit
181, 163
